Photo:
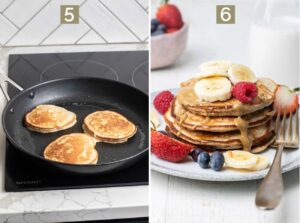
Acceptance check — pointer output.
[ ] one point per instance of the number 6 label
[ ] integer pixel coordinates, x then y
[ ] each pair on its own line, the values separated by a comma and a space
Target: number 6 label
69, 14
225, 14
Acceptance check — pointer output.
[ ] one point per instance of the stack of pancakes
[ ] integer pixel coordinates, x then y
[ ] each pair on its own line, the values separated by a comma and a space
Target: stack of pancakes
226, 125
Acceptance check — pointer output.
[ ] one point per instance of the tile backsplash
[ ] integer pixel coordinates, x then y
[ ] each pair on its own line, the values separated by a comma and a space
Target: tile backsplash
37, 22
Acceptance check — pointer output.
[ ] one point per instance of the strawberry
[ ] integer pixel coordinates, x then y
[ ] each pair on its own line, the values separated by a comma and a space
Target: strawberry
171, 30
167, 148
286, 100
169, 15
162, 101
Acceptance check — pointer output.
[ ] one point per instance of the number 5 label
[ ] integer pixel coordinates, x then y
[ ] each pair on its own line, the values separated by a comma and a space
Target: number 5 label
225, 14
69, 14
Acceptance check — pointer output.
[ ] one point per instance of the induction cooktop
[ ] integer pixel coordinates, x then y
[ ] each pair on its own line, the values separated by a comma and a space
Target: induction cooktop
130, 67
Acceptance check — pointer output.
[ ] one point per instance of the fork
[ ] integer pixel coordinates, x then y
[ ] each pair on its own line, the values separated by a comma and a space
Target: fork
270, 191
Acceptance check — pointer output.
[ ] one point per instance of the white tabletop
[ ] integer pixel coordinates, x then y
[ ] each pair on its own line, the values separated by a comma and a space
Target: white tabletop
68, 205
181, 200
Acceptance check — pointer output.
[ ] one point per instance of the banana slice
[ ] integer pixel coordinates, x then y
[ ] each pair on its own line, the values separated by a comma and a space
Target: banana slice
204, 75
268, 83
261, 163
240, 159
154, 120
213, 89
215, 67
238, 72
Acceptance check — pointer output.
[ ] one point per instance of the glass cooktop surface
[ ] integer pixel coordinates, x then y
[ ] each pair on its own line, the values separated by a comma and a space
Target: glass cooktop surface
22, 173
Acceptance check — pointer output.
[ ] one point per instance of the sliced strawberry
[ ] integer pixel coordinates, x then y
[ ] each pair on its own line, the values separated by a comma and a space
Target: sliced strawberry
286, 100
167, 148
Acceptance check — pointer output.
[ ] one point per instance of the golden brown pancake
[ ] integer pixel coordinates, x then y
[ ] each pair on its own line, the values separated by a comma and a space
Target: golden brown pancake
260, 136
108, 126
75, 148
228, 124
192, 121
49, 118
232, 107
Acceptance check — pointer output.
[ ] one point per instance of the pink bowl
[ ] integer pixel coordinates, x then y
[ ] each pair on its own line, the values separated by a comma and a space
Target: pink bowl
166, 48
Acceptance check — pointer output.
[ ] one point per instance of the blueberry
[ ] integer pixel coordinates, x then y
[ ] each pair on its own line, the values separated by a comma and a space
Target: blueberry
203, 159
154, 24
157, 32
216, 161
161, 27
153, 28
195, 153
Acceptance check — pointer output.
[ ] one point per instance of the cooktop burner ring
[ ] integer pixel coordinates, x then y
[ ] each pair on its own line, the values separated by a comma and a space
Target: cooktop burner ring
43, 76
135, 71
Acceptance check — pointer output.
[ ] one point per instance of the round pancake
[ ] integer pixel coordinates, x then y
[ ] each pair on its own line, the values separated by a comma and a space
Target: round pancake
75, 148
260, 135
109, 126
232, 107
193, 122
49, 118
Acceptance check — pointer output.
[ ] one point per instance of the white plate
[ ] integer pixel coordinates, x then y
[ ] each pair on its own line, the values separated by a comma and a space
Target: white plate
191, 170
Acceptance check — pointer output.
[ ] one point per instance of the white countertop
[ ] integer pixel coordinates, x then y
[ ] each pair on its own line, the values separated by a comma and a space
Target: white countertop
68, 205
176, 200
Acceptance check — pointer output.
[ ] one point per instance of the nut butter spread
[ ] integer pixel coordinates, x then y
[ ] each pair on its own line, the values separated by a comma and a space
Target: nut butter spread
243, 126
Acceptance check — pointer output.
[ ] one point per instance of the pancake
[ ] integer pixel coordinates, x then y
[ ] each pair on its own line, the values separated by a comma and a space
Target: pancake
259, 136
49, 118
232, 107
75, 148
192, 121
109, 126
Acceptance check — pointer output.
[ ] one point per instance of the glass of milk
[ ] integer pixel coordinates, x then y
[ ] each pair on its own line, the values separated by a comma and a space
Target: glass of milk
273, 47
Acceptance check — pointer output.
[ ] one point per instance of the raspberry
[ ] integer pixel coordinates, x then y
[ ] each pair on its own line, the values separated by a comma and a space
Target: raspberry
245, 92
168, 148
162, 101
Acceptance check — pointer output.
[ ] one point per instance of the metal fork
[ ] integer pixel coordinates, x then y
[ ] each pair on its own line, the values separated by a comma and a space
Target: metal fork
270, 191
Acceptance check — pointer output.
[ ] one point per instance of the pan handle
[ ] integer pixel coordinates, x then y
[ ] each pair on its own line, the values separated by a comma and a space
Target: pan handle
3, 80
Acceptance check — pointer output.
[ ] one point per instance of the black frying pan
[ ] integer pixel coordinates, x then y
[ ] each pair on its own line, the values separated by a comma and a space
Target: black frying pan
81, 95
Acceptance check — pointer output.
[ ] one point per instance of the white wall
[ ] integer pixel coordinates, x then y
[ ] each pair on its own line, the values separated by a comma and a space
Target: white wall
210, 39
37, 22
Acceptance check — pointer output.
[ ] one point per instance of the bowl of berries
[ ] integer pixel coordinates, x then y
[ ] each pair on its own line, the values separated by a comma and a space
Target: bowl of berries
168, 36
